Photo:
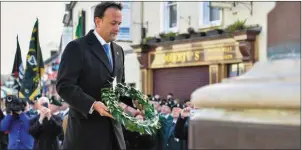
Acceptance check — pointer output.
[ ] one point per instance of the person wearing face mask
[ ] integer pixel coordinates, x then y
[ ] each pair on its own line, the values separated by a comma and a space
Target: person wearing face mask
46, 127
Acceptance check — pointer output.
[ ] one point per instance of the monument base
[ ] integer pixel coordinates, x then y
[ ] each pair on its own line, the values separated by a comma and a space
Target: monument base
216, 134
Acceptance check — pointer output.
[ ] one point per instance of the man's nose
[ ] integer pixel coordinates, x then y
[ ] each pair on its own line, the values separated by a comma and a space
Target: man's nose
116, 28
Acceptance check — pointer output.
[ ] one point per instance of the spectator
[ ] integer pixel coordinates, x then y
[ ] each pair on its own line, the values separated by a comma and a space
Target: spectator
170, 96
188, 104
157, 98
173, 143
64, 109
182, 126
3, 135
166, 112
17, 124
133, 140
46, 127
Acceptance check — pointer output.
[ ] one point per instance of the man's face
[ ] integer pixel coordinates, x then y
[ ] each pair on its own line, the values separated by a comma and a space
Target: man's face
53, 108
109, 25
165, 109
175, 112
64, 106
189, 104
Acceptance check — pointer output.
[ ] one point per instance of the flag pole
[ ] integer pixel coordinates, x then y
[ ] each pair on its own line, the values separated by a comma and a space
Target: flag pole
16, 67
39, 57
18, 72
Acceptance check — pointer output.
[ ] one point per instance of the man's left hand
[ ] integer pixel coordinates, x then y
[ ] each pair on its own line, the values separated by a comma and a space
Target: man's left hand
48, 114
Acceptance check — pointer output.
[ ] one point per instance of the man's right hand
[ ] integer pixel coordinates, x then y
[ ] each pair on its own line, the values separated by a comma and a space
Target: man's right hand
102, 109
185, 112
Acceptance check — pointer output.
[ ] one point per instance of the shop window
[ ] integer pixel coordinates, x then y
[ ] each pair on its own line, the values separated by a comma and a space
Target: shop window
235, 69
209, 16
170, 19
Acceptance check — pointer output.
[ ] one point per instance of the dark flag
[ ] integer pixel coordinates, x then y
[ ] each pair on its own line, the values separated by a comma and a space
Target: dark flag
34, 70
18, 70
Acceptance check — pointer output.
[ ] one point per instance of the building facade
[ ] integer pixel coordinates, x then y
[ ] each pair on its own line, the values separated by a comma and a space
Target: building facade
175, 61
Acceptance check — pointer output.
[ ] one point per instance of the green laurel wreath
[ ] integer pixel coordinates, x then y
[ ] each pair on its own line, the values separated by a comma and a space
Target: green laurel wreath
111, 99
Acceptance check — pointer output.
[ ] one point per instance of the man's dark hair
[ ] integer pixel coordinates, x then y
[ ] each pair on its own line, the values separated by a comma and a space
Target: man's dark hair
103, 6
170, 94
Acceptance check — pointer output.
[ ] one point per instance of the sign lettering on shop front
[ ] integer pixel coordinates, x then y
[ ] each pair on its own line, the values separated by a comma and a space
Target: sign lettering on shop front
213, 54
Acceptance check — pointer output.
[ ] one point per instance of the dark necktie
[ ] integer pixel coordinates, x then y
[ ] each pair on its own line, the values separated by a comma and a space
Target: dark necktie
107, 50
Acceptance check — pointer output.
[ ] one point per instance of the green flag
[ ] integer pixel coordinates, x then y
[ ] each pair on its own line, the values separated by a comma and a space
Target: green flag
30, 87
79, 29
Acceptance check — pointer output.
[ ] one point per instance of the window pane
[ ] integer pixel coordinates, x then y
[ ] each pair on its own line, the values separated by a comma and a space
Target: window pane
232, 70
241, 69
172, 16
214, 14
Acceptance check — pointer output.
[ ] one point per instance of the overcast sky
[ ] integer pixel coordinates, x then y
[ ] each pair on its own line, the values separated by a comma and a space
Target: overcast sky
19, 18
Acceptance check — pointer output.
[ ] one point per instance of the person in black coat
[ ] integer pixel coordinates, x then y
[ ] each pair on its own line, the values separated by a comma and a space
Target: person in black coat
3, 135
135, 141
182, 127
46, 127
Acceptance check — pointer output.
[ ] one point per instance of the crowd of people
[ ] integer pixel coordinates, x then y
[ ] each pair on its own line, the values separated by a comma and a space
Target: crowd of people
27, 125
173, 134
41, 125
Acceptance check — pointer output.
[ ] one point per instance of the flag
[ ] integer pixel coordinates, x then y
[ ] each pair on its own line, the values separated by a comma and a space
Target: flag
79, 27
18, 70
34, 70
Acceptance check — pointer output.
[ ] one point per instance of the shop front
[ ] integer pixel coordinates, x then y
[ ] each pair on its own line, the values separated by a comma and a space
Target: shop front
179, 67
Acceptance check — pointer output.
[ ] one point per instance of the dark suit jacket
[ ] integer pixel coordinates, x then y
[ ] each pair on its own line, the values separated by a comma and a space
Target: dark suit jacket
83, 72
181, 131
46, 134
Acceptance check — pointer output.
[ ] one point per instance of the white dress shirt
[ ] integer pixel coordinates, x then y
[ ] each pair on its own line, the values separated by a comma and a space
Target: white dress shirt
103, 42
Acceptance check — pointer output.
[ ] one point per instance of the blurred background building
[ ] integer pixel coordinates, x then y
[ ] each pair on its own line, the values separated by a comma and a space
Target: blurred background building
176, 47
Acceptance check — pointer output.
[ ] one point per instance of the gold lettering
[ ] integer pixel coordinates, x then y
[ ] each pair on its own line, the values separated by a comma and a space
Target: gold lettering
228, 57
174, 58
189, 56
166, 58
183, 57
196, 56
179, 57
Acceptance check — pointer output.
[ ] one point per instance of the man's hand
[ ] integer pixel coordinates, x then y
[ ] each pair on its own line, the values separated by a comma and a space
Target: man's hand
185, 112
138, 106
48, 114
102, 109
140, 117
43, 114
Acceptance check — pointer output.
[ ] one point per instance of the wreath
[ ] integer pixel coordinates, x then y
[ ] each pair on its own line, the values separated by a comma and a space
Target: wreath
151, 123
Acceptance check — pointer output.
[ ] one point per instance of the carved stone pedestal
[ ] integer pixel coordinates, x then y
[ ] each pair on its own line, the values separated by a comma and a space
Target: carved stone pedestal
258, 110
